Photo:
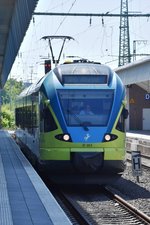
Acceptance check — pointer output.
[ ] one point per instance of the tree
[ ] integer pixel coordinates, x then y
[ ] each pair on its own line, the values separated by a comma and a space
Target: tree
7, 118
11, 89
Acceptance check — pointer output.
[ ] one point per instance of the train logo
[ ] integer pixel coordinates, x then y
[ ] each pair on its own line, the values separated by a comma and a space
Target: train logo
86, 137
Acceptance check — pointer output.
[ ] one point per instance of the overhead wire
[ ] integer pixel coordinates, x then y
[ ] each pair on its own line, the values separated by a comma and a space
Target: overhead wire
61, 23
105, 24
104, 33
25, 61
65, 16
46, 46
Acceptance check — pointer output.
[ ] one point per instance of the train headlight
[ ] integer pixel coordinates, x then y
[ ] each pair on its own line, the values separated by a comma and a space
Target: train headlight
66, 137
107, 137
63, 137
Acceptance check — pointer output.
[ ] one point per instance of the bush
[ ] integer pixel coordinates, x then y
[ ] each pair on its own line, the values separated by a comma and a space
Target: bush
7, 118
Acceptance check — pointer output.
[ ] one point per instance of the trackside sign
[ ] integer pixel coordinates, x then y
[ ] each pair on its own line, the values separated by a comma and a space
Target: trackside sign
136, 163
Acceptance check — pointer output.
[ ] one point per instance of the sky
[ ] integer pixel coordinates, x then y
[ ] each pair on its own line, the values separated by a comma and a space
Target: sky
95, 38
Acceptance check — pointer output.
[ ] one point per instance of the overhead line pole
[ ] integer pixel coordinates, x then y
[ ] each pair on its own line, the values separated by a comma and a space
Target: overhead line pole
92, 14
124, 39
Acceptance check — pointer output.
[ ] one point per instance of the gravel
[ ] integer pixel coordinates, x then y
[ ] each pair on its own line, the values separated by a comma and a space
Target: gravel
136, 193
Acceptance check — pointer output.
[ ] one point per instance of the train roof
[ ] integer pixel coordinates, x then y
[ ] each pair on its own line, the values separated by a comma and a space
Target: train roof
90, 71
83, 68
67, 72
32, 88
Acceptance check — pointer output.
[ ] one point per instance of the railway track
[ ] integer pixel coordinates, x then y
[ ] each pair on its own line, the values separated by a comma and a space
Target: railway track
98, 206
71, 209
137, 214
85, 205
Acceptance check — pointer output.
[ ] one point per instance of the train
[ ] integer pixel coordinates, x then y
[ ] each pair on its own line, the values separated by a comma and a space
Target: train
72, 123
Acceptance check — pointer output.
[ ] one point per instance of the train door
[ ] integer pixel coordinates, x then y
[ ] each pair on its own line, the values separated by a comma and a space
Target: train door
146, 120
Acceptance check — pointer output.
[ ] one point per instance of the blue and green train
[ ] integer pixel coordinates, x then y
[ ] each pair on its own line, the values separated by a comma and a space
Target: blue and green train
72, 122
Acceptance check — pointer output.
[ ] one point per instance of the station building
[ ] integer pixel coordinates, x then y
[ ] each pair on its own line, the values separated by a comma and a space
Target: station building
136, 77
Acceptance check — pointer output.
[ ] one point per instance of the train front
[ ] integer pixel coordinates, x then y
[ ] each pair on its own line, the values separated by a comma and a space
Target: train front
86, 101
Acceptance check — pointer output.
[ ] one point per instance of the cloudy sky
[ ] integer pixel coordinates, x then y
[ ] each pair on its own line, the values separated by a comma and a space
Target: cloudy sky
96, 38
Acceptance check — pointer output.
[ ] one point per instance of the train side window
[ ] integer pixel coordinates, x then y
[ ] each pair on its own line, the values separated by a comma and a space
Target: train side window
121, 122
17, 117
49, 122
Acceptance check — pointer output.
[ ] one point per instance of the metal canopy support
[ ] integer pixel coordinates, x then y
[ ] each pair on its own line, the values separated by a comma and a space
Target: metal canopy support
92, 14
50, 38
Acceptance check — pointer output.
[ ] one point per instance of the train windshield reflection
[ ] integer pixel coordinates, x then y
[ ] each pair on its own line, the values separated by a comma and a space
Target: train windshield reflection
86, 107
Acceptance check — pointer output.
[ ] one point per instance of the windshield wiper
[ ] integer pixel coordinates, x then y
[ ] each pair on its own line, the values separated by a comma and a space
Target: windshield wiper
78, 119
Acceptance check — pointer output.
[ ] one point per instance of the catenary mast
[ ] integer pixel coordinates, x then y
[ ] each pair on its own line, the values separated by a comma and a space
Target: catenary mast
124, 39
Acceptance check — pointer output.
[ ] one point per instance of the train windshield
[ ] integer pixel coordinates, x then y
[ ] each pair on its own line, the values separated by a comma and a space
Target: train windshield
86, 107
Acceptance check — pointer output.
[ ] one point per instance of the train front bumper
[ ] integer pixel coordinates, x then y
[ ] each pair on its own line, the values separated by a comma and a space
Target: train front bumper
100, 161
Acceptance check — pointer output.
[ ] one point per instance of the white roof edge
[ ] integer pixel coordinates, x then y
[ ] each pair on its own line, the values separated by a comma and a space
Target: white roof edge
132, 64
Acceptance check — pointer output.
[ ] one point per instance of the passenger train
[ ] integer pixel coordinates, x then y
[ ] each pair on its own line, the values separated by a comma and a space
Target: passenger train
72, 122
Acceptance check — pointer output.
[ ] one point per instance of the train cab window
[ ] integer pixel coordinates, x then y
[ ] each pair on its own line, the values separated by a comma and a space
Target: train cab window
49, 122
121, 122
90, 107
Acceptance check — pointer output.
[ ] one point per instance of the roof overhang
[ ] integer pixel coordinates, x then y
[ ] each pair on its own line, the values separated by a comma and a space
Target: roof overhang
137, 72
15, 16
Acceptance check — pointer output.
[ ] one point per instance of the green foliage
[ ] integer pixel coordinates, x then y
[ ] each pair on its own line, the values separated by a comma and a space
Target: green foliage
7, 118
9, 93
11, 89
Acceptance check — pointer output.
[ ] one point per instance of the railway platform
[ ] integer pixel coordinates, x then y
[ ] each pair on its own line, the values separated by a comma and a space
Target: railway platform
138, 141
24, 198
